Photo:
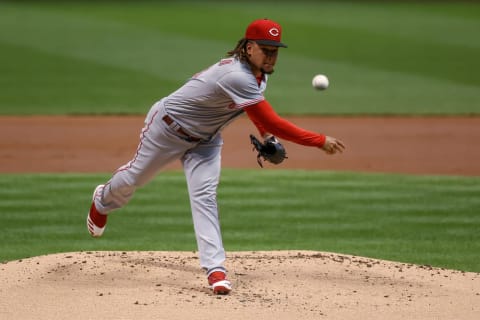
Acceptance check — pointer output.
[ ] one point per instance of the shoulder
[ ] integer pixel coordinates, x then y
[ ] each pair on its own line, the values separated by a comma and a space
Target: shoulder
229, 65
236, 73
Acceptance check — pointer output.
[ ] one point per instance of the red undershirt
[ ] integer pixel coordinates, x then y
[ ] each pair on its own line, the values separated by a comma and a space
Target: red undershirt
267, 120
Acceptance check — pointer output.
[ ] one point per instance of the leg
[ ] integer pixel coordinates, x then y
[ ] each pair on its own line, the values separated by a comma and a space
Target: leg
202, 170
158, 146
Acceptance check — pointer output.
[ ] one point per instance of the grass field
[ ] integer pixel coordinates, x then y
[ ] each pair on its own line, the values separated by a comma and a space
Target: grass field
119, 57
424, 220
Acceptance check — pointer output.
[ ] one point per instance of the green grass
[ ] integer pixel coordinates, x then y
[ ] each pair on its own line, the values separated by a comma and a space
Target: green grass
415, 219
119, 57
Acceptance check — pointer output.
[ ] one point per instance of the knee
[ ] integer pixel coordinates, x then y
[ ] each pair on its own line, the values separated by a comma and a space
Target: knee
204, 197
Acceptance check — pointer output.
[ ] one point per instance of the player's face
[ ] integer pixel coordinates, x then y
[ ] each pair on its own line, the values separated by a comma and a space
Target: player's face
262, 58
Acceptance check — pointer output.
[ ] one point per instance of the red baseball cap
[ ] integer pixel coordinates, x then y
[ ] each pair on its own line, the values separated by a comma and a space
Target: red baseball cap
265, 31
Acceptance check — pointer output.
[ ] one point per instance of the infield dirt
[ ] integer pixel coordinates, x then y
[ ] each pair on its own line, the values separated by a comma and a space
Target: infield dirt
433, 145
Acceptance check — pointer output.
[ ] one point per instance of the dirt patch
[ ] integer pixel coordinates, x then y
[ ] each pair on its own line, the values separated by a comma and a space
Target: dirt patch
267, 285
101, 144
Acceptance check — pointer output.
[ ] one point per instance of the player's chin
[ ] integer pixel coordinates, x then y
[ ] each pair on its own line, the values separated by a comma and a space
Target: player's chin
268, 69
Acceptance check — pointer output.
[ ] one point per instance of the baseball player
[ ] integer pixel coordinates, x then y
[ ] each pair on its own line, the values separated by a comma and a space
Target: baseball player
187, 125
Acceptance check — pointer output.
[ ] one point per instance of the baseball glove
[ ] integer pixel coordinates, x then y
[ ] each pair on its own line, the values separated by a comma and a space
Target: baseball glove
270, 150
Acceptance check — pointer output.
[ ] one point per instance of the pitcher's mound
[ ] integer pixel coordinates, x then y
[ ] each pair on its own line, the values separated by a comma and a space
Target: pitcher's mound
267, 285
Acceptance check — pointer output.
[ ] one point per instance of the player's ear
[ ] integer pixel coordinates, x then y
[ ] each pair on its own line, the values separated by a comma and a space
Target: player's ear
249, 48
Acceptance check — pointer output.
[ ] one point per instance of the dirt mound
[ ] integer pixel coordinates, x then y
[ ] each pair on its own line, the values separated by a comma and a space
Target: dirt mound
267, 285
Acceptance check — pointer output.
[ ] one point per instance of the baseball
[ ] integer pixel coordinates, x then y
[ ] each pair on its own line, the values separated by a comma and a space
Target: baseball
320, 82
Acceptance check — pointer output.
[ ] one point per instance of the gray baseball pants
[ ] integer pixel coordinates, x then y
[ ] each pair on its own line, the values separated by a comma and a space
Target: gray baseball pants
159, 145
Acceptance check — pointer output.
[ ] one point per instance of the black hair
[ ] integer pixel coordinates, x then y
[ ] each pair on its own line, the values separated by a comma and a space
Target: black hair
240, 50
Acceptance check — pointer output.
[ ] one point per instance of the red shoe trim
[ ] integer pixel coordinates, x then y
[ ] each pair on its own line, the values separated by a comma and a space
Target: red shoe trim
216, 276
100, 220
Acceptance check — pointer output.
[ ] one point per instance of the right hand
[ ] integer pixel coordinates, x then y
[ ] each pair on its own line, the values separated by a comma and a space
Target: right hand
333, 145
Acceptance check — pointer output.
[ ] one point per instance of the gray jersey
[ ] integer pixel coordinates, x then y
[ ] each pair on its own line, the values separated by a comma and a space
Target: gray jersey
203, 106
214, 97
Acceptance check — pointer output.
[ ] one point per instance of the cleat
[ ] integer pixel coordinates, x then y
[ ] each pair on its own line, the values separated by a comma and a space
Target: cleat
219, 283
96, 222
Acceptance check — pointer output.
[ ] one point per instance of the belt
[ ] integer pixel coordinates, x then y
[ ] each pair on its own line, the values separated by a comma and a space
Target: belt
169, 121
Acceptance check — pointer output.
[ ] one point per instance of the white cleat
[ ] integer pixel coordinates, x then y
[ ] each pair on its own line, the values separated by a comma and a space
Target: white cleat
96, 222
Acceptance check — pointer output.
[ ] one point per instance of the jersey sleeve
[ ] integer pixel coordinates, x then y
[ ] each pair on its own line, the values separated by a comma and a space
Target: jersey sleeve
242, 88
264, 117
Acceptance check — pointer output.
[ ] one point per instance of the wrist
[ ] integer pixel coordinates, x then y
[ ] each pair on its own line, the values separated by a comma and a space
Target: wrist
323, 139
267, 135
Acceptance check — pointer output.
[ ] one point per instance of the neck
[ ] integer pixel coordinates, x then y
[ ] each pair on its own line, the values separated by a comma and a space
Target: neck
256, 71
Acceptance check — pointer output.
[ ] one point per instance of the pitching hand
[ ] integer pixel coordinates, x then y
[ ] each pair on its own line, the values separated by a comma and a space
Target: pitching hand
333, 145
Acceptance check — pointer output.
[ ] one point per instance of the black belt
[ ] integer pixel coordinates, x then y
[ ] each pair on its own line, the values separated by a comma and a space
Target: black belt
169, 121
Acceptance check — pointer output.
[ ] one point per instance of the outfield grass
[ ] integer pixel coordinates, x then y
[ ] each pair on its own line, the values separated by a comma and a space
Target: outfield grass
120, 57
424, 220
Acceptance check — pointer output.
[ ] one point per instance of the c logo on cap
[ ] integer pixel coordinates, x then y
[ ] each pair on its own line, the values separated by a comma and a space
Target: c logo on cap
274, 32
